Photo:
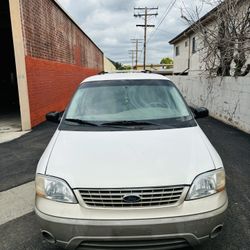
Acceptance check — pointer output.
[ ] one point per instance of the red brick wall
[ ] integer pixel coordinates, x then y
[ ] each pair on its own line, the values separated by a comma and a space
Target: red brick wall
58, 56
51, 85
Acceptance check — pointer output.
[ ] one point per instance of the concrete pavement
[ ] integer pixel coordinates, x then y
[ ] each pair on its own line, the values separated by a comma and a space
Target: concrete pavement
10, 127
16, 202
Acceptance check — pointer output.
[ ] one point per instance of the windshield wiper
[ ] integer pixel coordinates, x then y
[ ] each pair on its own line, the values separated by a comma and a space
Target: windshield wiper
82, 122
129, 123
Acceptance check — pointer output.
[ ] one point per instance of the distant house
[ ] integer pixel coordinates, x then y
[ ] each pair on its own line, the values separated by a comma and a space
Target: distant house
189, 48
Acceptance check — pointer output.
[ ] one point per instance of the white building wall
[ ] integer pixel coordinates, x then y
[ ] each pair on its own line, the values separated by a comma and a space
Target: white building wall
196, 64
187, 60
108, 65
227, 98
181, 61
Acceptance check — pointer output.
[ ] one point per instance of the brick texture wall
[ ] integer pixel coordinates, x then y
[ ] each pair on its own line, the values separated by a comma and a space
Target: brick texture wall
58, 56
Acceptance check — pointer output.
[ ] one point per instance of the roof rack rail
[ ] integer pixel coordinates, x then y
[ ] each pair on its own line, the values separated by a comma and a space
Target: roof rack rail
126, 71
102, 73
146, 71
130, 71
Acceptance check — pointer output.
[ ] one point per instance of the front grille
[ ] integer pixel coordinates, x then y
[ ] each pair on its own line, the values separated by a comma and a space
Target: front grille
157, 244
149, 197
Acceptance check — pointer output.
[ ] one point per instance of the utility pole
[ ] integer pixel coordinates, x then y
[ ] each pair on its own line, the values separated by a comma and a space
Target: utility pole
132, 53
137, 42
145, 12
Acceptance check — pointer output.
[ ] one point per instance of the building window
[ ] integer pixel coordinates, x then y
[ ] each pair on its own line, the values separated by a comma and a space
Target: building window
186, 43
194, 45
177, 50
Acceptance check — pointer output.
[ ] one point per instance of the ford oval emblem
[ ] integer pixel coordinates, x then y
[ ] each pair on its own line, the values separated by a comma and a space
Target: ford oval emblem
131, 198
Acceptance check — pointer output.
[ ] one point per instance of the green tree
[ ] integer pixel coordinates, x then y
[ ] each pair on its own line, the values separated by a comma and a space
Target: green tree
120, 66
167, 60
126, 67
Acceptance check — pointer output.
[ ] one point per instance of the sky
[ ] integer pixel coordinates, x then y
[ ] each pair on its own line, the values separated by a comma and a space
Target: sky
111, 25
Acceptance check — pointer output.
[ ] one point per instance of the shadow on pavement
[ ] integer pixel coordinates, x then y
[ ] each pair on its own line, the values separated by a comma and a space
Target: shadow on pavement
18, 158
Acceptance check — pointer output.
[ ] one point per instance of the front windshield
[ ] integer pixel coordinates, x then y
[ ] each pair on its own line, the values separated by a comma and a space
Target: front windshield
127, 100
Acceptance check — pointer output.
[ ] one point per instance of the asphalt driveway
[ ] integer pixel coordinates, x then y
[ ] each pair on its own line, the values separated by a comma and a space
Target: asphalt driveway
18, 158
18, 161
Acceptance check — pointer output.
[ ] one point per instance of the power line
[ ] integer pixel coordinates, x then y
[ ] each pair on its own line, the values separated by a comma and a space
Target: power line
169, 8
145, 12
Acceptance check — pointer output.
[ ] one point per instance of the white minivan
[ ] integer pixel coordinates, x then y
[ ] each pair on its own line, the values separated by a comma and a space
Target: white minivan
129, 168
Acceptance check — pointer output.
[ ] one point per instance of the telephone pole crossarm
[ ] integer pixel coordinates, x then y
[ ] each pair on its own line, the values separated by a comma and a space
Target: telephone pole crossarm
142, 15
142, 25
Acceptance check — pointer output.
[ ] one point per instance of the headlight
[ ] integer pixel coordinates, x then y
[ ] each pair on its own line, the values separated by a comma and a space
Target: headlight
54, 189
207, 184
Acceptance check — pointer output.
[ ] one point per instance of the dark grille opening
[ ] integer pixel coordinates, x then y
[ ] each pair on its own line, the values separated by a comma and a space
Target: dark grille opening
157, 244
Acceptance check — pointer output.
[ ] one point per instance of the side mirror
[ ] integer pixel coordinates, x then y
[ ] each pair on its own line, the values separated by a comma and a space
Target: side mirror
200, 112
54, 116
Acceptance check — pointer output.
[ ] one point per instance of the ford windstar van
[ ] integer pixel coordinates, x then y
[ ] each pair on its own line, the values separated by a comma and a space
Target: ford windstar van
129, 168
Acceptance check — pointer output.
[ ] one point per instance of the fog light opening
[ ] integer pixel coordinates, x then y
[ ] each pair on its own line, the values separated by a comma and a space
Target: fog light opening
48, 237
216, 231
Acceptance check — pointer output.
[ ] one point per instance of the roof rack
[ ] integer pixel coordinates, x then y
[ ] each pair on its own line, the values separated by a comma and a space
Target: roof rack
126, 71
102, 73
147, 71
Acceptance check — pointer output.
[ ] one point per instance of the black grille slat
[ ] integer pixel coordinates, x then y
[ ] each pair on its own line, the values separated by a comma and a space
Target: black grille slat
158, 196
118, 201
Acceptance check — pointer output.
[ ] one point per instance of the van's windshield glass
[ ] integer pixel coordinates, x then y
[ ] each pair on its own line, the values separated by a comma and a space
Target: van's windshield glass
124, 102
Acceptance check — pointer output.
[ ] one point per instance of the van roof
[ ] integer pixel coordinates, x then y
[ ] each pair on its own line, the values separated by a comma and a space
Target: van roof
125, 76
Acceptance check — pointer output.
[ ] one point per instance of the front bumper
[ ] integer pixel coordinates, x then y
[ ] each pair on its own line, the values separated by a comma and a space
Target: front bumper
173, 232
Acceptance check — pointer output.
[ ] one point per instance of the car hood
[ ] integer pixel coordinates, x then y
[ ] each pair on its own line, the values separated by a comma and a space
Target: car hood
129, 158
